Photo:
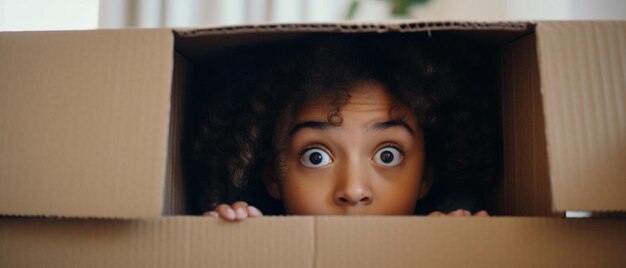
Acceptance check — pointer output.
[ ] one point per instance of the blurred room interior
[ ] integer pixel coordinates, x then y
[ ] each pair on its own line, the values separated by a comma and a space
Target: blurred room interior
20, 15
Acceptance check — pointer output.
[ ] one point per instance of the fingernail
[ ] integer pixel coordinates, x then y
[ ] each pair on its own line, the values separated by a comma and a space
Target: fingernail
241, 213
230, 214
482, 213
458, 212
213, 214
255, 211
466, 213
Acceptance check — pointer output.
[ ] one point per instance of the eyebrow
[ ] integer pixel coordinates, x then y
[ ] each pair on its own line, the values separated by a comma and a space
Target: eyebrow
377, 126
393, 123
309, 124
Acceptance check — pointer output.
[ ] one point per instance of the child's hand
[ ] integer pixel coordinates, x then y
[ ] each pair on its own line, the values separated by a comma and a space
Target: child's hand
235, 212
461, 213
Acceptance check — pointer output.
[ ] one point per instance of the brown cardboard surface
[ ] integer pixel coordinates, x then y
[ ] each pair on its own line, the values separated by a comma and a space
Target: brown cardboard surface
85, 127
469, 242
197, 43
162, 242
583, 66
85, 115
525, 188
84, 122
174, 200
313, 242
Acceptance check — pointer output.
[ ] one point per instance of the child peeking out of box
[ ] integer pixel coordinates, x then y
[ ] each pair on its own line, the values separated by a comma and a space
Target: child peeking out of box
358, 124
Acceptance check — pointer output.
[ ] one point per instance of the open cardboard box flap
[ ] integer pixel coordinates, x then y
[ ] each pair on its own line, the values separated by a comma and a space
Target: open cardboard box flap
583, 66
84, 121
86, 127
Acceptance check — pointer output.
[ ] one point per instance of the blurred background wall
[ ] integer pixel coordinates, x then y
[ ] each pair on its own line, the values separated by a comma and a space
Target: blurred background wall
18, 15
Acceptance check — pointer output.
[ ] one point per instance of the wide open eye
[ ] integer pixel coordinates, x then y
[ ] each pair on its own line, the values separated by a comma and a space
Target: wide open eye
315, 158
388, 156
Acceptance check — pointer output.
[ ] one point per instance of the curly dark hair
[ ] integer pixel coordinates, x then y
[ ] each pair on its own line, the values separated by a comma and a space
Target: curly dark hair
241, 137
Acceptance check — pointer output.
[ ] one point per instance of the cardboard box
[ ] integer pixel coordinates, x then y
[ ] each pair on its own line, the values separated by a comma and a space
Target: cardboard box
90, 127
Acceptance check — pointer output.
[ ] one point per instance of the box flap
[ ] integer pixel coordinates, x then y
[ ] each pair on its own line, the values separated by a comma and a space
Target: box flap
583, 66
84, 122
314, 242
162, 242
468, 242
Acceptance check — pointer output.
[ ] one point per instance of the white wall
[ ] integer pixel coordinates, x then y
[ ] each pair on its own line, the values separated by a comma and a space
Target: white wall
22, 15
86, 14
599, 9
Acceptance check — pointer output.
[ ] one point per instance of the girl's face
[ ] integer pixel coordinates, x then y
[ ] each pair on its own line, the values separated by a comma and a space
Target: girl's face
370, 164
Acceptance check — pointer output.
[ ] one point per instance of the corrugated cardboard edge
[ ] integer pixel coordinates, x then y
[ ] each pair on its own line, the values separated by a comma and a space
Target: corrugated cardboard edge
583, 66
314, 242
346, 27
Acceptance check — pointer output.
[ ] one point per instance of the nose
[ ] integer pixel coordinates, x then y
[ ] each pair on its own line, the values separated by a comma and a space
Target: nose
353, 188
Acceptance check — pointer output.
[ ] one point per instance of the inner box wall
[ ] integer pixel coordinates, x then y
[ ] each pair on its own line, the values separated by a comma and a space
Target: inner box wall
174, 202
525, 188
511, 194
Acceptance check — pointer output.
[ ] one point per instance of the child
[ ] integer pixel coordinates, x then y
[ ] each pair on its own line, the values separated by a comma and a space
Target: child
357, 125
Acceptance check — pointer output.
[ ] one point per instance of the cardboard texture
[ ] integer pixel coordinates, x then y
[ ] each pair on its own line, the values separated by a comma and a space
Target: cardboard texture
163, 242
583, 66
90, 128
84, 119
525, 189
174, 200
525, 158
469, 242
314, 242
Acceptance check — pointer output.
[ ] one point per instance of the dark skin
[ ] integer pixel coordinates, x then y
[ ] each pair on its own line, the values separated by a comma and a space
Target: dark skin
371, 164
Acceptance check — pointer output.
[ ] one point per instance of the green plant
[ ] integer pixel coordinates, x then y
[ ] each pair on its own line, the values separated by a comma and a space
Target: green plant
398, 7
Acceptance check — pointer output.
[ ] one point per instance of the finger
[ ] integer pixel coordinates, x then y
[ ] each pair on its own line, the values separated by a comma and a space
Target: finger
481, 213
436, 214
226, 212
241, 209
254, 212
458, 213
211, 214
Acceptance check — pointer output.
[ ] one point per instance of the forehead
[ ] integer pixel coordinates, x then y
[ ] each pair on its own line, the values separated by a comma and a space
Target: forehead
368, 97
